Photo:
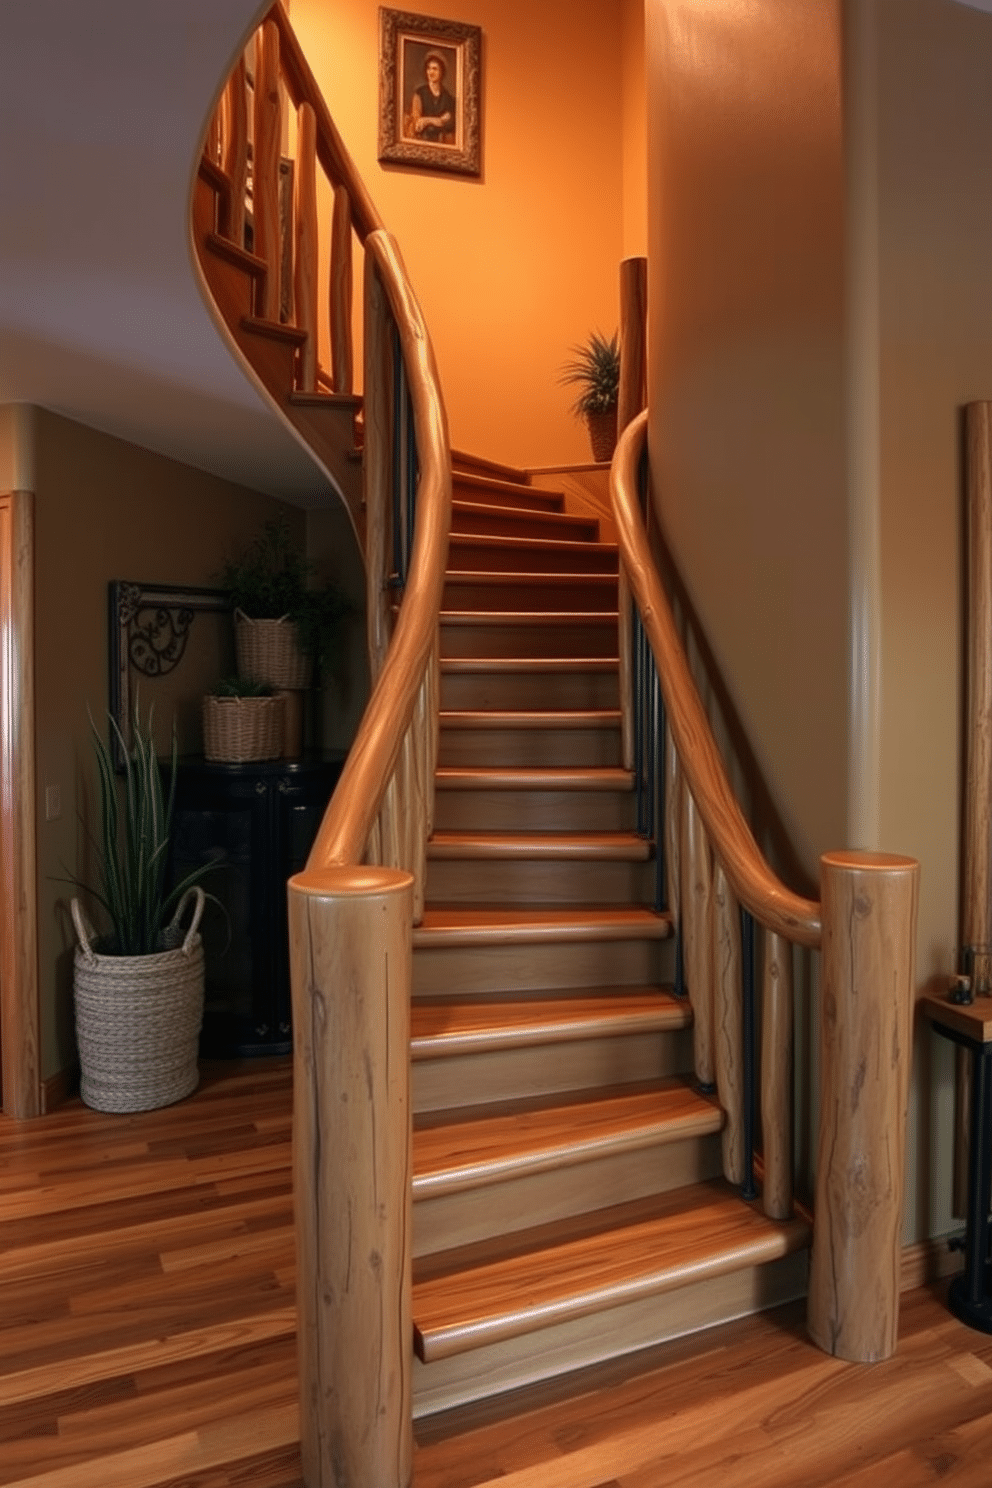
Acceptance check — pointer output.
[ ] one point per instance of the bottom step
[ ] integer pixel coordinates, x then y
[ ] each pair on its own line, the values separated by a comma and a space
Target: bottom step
595, 1288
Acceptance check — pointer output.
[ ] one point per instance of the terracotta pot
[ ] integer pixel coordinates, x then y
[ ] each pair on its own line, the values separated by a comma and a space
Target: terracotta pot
603, 434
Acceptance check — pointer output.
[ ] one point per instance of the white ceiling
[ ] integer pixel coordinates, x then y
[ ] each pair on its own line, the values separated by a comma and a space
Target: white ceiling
102, 110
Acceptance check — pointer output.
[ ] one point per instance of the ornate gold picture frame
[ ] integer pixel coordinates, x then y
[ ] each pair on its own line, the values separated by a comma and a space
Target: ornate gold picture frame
429, 93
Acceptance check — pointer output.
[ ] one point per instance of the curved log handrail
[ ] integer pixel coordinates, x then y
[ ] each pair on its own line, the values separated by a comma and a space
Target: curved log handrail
331, 152
753, 882
374, 753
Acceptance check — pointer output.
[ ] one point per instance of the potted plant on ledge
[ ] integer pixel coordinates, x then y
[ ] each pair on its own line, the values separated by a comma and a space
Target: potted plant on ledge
138, 990
595, 368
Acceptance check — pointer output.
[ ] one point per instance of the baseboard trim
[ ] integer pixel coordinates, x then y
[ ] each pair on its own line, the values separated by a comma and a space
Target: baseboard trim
59, 1088
929, 1261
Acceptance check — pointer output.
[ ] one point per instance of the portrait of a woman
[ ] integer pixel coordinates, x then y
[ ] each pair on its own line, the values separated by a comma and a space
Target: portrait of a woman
432, 107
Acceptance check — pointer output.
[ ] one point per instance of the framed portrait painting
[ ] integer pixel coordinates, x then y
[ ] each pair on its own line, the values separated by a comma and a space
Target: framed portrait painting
429, 92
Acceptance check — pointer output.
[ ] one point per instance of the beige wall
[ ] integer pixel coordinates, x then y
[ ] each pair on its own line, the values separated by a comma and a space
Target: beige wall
103, 510
746, 324
515, 267
934, 147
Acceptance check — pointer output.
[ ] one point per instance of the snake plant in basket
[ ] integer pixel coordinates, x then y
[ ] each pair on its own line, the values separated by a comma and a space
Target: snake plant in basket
139, 989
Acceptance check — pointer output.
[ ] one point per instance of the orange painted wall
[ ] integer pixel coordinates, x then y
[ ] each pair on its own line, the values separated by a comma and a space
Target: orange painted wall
513, 268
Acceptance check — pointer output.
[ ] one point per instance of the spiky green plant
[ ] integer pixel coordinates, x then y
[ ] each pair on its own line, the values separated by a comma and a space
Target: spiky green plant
133, 843
595, 367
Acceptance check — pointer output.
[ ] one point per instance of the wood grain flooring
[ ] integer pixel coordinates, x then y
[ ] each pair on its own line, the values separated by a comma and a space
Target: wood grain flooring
147, 1341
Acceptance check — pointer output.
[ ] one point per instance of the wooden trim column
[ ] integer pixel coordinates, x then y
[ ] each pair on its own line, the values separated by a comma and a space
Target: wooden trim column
869, 903
19, 1014
351, 966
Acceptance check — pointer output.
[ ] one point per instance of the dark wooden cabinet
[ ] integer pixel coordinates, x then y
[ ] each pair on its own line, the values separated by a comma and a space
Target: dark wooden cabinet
258, 822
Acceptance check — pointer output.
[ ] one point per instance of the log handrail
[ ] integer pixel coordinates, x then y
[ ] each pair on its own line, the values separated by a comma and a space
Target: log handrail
301, 85
773, 904
373, 756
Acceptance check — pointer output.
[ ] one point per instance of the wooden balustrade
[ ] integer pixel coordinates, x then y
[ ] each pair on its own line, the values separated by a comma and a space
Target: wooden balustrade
235, 156
728, 1030
305, 258
342, 354
265, 169
868, 919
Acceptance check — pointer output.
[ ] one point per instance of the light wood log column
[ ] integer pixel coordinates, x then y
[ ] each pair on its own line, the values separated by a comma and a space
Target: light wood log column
697, 936
632, 393
869, 903
976, 825
351, 968
305, 260
265, 169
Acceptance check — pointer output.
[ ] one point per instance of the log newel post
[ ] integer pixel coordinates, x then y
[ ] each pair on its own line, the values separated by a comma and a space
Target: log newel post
869, 903
350, 962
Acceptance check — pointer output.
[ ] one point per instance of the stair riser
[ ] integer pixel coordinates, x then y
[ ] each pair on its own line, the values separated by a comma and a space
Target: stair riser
467, 553
274, 361
449, 971
581, 639
509, 523
530, 748
536, 594
581, 1064
483, 689
554, 1352
499, 881
534, 811
541, 1198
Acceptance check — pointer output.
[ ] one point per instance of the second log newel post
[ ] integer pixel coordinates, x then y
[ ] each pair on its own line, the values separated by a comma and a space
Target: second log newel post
869, 903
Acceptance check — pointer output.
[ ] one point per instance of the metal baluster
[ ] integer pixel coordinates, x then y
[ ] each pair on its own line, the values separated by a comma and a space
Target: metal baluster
660, 887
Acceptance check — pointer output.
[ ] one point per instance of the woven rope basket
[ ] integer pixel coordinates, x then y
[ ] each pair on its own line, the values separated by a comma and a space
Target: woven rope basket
243, 728
269, 651
138, 1017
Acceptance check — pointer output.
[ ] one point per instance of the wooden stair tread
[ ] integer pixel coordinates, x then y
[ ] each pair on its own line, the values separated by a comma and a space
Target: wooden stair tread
451, 925
476, 1147
694, 1234
240, 257
529, 617
565, 521
348, 401
274, 330
508, 577
491, 777
443, 1026
547, 545
529, 718
559, 664
587, 846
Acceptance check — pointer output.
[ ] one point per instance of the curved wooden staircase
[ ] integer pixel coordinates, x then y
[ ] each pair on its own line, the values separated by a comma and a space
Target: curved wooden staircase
567, 1203
495, 1085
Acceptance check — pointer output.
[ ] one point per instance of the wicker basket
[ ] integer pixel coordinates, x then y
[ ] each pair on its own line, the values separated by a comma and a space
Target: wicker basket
269, 651
246, 728
138, 1017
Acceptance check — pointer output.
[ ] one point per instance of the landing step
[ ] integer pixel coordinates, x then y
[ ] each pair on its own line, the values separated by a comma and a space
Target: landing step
480, 777
450, 925
476, 1025
477, 1146
587, 846
627, 1253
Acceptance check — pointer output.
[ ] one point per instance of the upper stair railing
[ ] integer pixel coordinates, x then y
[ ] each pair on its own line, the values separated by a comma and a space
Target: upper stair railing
352, 910
718, 884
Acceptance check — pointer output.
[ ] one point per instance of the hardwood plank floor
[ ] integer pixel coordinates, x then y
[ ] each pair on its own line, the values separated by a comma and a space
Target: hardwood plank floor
147, 1341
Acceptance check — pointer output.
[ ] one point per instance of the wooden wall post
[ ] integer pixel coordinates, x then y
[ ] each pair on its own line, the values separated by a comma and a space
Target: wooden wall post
869, 903
351, 968
633, 340
976, 876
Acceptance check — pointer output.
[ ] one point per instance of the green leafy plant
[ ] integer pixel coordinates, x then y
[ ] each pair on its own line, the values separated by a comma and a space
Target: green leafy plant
242, 687
133, 843
272, 579
595, 368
